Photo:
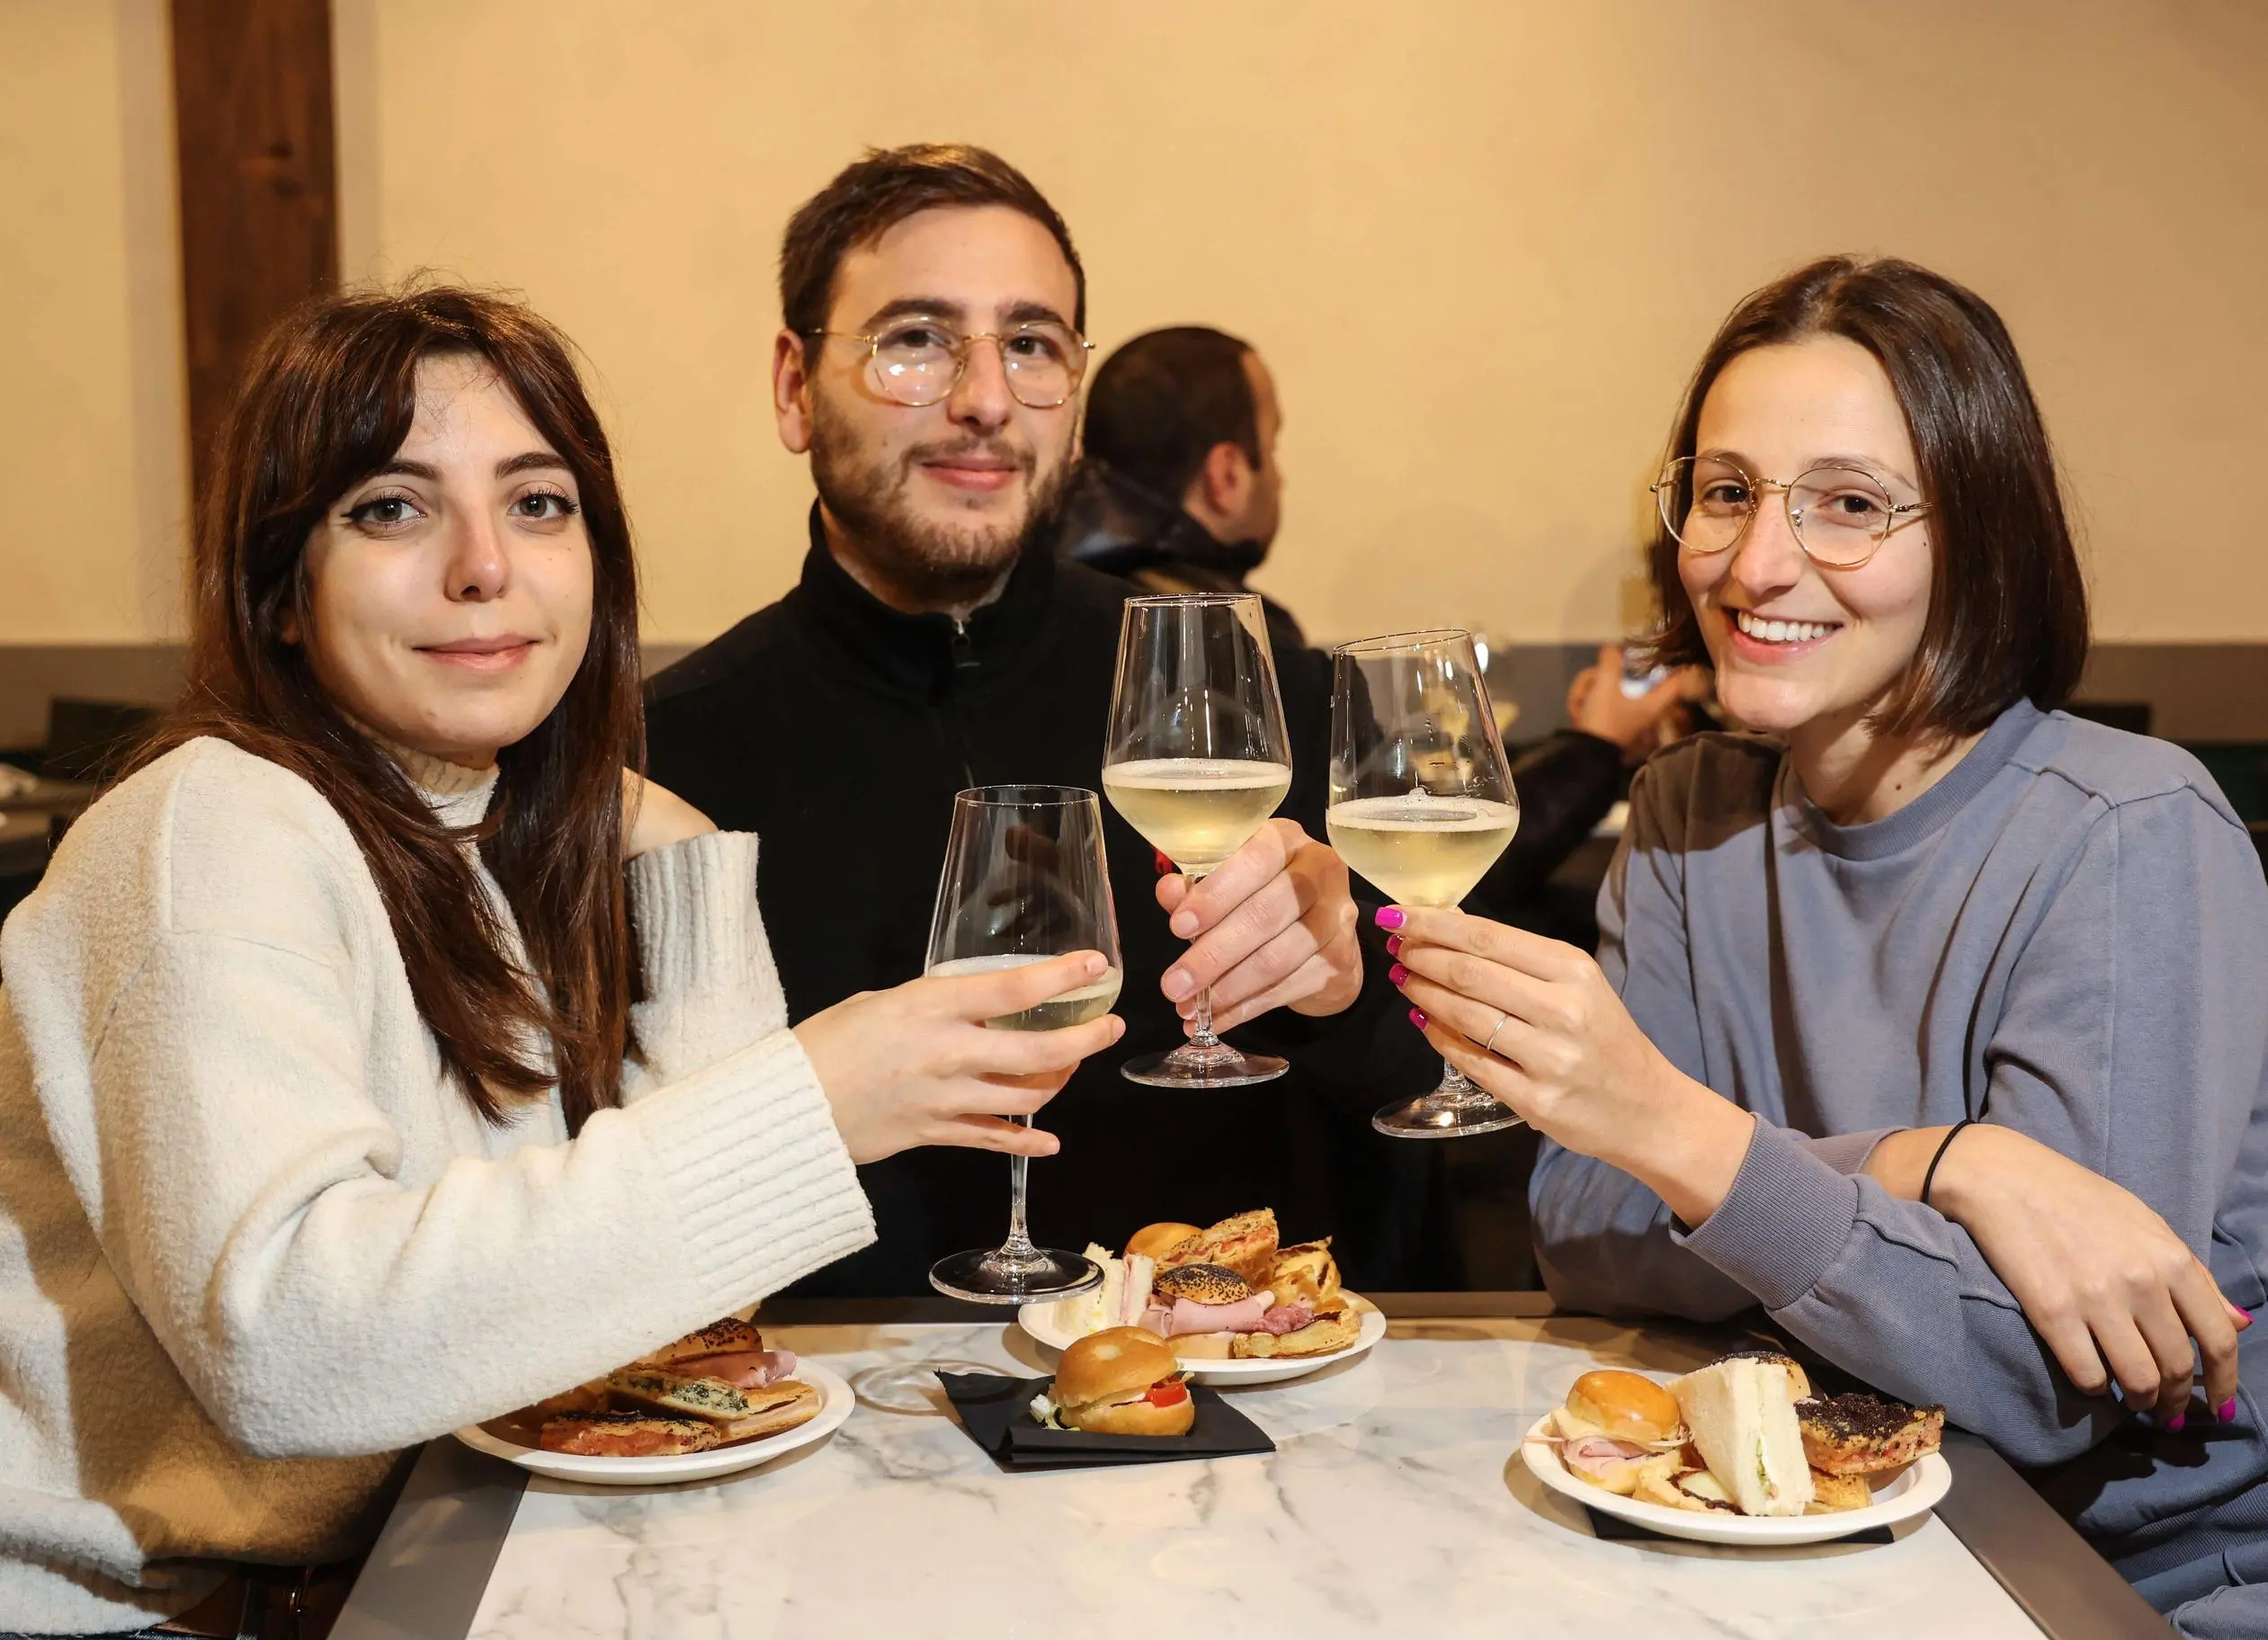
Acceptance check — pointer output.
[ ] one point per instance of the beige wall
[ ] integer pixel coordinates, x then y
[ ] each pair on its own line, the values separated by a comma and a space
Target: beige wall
1480, 243
93, 470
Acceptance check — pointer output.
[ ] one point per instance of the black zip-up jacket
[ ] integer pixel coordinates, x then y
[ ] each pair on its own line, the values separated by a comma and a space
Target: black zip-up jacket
838, 729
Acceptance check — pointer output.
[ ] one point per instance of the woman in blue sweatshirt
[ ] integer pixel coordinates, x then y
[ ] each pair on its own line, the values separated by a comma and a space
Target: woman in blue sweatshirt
1926, 1017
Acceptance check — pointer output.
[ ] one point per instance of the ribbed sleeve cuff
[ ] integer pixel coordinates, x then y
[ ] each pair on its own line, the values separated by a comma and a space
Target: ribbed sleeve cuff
1788, 1218
710, 987
763, 1188
1848, 1153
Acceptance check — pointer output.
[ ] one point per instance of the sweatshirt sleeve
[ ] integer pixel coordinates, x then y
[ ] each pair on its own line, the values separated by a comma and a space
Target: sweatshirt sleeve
1606, 1243
2131, 1040
709, 986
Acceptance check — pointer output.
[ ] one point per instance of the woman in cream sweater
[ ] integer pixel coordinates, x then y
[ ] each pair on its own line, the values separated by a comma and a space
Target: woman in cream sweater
328, 1122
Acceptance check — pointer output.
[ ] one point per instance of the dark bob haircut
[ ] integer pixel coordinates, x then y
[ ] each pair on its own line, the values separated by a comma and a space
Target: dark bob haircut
1162, 402
2008, 606
879, 189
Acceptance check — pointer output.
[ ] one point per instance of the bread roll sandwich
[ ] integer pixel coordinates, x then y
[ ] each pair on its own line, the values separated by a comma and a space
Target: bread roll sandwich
1861, 1434
1245, 1243
1614, 1425
1154, 1242
1121, 1381
1742, 1414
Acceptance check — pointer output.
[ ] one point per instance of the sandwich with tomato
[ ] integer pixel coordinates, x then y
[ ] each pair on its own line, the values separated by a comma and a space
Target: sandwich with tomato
1120, 1381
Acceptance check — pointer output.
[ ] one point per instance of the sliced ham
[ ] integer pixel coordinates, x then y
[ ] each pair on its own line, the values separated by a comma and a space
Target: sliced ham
1245, 1315
1599, 1459
741, 1368
1286, 1318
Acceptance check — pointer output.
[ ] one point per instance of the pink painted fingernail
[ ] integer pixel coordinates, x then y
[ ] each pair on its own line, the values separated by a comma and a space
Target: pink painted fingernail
2176, 1421
1390, 916
1396, 974
2226, 1411
1417, 1018
1393, 945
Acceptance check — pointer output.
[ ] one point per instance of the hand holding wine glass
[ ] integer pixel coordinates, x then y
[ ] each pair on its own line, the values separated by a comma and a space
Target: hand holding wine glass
1025, 884
1196, 761
915, 1064
1422, 804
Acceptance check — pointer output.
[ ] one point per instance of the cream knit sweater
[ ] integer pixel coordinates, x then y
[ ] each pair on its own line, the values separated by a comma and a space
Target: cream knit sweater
251, 1245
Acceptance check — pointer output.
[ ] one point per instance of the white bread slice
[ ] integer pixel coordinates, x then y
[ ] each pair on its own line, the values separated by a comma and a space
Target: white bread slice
1742, 1412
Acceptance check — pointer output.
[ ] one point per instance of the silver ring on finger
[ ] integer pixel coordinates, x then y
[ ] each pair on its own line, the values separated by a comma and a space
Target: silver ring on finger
1489, 1047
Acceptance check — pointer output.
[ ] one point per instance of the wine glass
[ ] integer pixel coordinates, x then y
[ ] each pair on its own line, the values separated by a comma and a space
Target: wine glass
1422, 804
1025, 880
1196, 761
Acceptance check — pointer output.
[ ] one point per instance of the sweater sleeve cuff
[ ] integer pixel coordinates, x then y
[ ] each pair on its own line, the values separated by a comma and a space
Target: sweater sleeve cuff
1786, 1220
710, 986
1848, 1153
763, 1188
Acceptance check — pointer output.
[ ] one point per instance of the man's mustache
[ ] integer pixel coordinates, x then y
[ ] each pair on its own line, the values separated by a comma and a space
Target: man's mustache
1024, 461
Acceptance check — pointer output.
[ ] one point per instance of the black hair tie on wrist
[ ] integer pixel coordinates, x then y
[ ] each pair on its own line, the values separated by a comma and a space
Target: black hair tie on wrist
1945, 1145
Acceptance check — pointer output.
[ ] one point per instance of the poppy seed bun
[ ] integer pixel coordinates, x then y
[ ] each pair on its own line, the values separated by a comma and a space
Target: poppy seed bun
1625, 1406
1156, 1241
1116, 1361
1201, 1284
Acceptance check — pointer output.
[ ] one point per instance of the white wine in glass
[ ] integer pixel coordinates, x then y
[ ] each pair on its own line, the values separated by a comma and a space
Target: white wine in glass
1196, 761
1025, 880
1421, 804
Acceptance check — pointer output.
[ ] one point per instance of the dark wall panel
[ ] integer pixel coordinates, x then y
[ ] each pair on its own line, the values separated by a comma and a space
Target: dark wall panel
259, 182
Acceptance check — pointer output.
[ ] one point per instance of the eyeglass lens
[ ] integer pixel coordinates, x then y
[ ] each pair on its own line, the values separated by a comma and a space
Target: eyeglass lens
1839, 513
917, 362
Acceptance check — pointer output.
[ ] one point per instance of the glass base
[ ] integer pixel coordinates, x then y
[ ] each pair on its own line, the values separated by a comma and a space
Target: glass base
1218, 1065
909, 1386
1447, 1113
994, 1274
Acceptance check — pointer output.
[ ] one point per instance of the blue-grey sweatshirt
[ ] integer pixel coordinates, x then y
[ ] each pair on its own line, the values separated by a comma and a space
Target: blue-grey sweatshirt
2067, 935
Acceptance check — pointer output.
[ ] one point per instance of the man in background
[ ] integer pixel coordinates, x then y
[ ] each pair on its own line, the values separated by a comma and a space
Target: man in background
1179, 490
929, 366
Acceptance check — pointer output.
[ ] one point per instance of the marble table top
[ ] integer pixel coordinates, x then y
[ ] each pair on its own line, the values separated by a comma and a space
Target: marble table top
1397, 1504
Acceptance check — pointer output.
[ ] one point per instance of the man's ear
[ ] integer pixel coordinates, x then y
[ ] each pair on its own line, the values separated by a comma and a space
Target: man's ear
792, 390
1226, 480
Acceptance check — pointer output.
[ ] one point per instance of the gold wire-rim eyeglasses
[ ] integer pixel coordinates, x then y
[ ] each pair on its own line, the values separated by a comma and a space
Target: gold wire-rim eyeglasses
1663, 490
1074, 365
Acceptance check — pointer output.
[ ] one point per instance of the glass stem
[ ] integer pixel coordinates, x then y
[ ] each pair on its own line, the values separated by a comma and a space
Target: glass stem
1454, 1083
1019, 1243
1204, 1019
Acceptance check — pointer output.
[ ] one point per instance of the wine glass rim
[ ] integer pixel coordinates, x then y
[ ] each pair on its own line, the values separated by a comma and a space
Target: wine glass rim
1387, 642
1166, 601
1022, 796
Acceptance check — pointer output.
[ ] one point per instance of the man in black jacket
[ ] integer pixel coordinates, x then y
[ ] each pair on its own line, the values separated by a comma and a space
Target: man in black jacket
929, 366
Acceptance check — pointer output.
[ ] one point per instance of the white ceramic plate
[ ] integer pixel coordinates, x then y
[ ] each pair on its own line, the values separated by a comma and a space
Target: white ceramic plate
1039, 1321
834, 1406
1914, 1492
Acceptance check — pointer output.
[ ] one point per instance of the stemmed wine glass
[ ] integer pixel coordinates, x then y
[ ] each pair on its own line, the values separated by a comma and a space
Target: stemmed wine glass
1422, 804
1196, 760
1025, 880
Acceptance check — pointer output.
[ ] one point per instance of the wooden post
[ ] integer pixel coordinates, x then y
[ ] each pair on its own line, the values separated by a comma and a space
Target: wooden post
259, 184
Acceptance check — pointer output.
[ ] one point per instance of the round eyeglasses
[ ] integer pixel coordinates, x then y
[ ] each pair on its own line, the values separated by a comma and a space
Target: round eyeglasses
916, 361
1841, 514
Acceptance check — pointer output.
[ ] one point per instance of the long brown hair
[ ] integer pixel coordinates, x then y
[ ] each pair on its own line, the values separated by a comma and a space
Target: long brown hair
329, 396
2008, 606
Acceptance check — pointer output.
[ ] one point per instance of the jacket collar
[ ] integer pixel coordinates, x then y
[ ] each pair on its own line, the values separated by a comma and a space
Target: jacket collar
927, 656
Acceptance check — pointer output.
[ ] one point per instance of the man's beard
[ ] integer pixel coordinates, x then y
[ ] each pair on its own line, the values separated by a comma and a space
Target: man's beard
934, 564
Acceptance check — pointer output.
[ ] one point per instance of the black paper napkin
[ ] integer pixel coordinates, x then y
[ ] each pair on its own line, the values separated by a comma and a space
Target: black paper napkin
996, 1414
1604, 1525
